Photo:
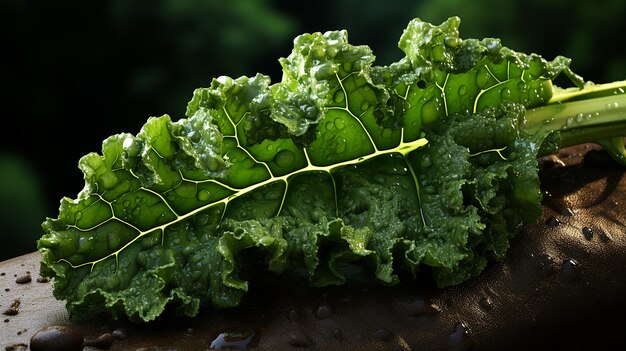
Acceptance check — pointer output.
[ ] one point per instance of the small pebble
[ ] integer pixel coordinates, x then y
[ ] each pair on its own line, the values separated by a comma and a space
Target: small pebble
23, 279
16, 347
14, 309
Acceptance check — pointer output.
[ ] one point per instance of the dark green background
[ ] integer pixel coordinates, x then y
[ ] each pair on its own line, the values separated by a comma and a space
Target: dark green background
75, 72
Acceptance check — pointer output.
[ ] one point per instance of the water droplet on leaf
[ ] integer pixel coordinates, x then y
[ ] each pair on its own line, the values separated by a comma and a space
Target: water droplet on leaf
340, 123
462, 89
338, 96
284, 158
204, 195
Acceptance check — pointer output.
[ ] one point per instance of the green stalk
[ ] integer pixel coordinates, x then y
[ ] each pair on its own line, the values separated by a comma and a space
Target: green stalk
596, 113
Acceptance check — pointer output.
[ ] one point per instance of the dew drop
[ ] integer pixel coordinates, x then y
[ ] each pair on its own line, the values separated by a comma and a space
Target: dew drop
78, 216
426, 161
580, 118
483, 78
486, 303
113, 240
567, 212
292, 315
269, 147
588, 233
462, 89
126, 203
341, 146
505, 94
233, 341
339, 96
108, 179
329, 125
284, 158
340, 123
85, 243
570, 271
300, 339
338, 334
202, 219
553, 221
387, 132
431, 111
422, 307
204, 195
323, 312
545, 265
365, 105
461, 338
604, 237
383, 335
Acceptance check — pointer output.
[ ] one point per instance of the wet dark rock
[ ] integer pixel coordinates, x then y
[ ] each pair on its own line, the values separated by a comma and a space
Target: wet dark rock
57, 338
104, 341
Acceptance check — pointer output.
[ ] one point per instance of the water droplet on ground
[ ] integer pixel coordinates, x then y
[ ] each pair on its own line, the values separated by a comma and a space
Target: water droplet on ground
460, 339
588, 233
338, 334
546, 265
300, 339
422, 307
570, 270
323, 312
383, 335
233, 341
486, 303
553, 221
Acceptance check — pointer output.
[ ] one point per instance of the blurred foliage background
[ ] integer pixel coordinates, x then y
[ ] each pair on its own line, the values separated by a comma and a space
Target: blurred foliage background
76, 72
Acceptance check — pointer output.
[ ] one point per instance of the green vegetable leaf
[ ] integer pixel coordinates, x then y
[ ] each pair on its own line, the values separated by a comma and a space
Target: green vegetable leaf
427, 163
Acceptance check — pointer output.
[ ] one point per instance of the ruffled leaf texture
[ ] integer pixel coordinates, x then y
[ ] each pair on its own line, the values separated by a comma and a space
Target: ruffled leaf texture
420, 165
